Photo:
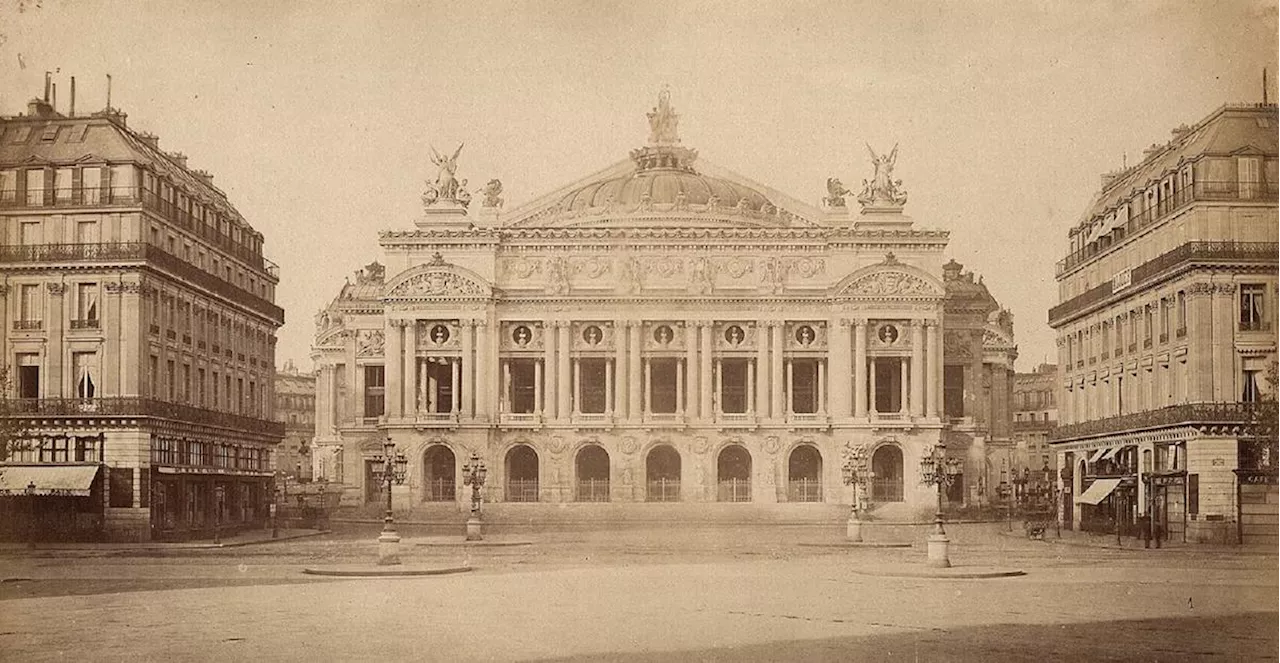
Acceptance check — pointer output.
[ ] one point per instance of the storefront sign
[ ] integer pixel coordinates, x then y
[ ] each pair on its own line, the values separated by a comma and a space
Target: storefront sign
1167, 481
1259, 478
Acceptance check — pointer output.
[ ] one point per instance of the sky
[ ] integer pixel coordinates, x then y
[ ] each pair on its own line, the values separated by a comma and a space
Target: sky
317, 118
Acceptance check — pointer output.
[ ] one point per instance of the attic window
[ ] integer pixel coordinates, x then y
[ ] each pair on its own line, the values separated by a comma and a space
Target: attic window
21, 134
76, 135
50, 133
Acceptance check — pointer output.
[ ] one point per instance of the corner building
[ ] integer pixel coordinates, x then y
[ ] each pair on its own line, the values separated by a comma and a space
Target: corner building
138, 327
660, 331
1166, 337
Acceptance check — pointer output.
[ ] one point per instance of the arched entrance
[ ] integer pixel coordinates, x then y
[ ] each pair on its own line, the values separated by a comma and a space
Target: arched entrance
522, 474
662, 474
733, 474
439, 467
592, 466
804, 475
886, 462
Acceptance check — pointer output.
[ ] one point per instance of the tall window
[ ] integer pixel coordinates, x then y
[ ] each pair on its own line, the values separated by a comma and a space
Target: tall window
523, 395
1250, 175
92, 185
29, 302
1181, 314
62, 185
35, 187
86, 232
153, 373
953, 390
1252, 307
29, 233
1166, 318
200, 388
662, 376
186, 383
171, 379
87, 304
592, 379
733, 385
1149, 323
374, 391
28, 375
8, 186
1250, 392
123, 182
804, 386
84, 367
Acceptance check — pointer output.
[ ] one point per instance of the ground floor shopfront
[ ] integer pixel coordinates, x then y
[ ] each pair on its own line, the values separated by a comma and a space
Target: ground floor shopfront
640, 465
199, 505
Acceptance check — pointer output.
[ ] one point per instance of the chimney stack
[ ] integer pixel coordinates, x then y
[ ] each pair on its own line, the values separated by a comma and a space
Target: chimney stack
72, 112
152, 140
54, 104
179, 157
48, 80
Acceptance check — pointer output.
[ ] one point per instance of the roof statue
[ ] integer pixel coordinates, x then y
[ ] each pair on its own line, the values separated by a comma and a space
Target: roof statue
882, 191
446, 186
663, 121
836, 192
493, 193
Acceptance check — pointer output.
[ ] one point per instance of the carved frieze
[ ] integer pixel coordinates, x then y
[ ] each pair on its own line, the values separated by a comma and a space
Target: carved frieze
890, 283
438, 335
728, 336
803, 336
956, 344
437, 283
889, 335
370, 342
660, 336
592, 335
517, 336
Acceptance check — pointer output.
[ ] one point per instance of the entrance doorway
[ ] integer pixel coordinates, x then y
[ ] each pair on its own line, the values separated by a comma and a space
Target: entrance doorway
440, 466
592, 465
662, 474
804, 475
886, 462
522, 474
733, 474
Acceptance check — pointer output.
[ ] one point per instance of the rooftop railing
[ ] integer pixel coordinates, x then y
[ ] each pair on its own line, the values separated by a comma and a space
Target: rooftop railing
1209, 191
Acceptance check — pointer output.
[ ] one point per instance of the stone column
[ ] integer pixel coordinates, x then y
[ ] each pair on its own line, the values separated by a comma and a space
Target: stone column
623, 377
822, 387
787, 404
719, 386
934, 358
917, 369
539, 392
483, 387
860, 368
504, 398
705, 338
902, 385
871, 389
648, 387
577, 385
549, 399
409, 388
55, 315
354, 404
609, 391
751, 388
394, 363
1224, 352
455, 391
467, 371
564, 401
638, 388
841, 370
762, 370
695, 382
776, 329
113, 328
680, 385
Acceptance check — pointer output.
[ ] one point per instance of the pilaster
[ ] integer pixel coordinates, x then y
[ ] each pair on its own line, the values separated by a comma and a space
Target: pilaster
394, 362
779, 388
564, 403
56, 309
707, 393
917, 368
409, 381
860, 368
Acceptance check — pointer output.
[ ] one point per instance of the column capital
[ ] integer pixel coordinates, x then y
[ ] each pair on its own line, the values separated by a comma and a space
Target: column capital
398, 323
860, 322
844, 322
928, 323
56, 289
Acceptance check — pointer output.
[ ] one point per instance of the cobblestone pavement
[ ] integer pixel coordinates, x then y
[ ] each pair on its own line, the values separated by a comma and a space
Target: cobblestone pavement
704, 593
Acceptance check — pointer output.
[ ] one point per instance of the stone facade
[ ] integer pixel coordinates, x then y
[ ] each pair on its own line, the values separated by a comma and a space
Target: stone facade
138, 331
662, 331
295, 407
1165, 334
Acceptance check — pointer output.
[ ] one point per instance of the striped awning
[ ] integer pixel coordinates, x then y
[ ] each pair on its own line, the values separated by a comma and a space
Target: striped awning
1098, 453
45, 480
1098, 491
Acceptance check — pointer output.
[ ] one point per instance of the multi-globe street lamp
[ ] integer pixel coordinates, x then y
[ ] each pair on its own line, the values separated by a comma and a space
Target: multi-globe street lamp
473, 474
856, 472
937, 469
393, 470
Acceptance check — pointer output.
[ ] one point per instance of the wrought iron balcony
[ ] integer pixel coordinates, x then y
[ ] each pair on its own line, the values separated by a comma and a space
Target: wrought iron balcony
1190, 252
592, 419
736, 419
807, 419
435, 419
1172, 415
520, 419
87, 323
670, 419
133, 407
28, 325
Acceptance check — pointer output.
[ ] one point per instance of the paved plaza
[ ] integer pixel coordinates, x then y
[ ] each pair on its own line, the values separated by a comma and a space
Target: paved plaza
683, 593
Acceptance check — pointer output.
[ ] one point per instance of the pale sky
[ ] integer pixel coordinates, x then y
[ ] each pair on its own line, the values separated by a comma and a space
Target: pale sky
315, 118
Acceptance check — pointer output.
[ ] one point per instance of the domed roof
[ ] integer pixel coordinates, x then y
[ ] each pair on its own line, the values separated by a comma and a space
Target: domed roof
663, 189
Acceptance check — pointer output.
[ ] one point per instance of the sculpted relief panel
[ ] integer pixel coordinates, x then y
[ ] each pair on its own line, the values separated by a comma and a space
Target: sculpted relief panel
438, 284
890, 284
630, 273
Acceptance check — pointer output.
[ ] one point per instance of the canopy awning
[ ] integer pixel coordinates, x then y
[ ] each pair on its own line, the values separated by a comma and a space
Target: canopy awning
1098, 491
1097, 453
58, 480
1111, 453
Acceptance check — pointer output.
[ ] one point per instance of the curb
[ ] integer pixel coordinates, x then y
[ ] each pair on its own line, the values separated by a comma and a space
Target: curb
392, 571
456, 543
1173, 549
857, 544
949, 573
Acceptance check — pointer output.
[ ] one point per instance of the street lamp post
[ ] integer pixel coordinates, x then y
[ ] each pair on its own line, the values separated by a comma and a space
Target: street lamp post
219, 498
856, 473
936, 469
393, 472
1020, 481
473, 474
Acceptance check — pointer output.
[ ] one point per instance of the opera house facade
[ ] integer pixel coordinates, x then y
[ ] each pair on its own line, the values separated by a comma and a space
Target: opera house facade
660, 331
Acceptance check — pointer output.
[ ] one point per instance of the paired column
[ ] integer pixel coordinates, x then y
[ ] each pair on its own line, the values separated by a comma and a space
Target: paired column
697, 380
409, 389
577, 385
762, 370
634, 371
860, 368
620, 338
466, 371
608, 387
394, 365
547, 400
482, 384
564, 400
917, 369
935, 368
504, 399
779, 389
705, 335
1224, 322
789, 369
114, 327
902, 384
354, 404
822, 387
841, 369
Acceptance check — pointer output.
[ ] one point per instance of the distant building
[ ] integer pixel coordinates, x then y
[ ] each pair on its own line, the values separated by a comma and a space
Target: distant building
295, 407
138, 325
1035, 415
1165, 335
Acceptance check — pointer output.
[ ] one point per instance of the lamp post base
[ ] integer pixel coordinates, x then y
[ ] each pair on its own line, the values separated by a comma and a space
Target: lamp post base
388, 548
853, 529
938, 557
474, 525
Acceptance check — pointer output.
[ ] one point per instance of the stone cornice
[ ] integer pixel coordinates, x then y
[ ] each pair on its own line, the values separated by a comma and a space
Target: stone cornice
500, 235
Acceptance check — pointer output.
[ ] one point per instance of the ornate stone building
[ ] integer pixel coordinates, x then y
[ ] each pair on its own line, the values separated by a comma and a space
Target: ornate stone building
1035, 415
138, 328
295, 407
1165, 333
663, 330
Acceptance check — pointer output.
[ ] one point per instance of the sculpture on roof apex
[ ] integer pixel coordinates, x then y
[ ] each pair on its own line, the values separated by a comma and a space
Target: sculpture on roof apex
882, 190
446, 186
663, 121
492, 192
836, 192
